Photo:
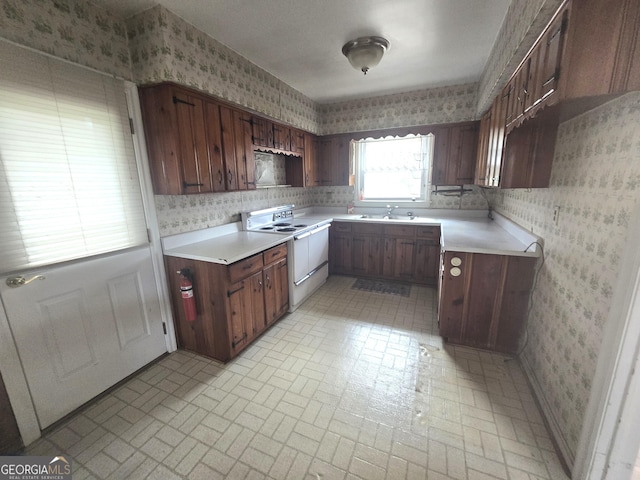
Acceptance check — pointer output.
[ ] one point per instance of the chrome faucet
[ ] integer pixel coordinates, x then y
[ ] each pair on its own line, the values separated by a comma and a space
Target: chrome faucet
389, 210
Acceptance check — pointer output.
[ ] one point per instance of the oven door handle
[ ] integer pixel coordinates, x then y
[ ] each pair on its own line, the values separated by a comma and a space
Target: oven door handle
312, 272
311, 232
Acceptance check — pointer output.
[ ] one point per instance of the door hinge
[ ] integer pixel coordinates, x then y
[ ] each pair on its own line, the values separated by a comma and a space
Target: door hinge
164, 328
133, 130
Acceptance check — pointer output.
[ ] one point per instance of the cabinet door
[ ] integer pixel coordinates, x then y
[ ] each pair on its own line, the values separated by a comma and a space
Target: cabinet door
361, 246
427, 260
258, 313
405, 258
340, 255
196, 172
334, 160
551, 47
281, 137
388, 257
455, 154
239, 308
214, 146
246, 163
451, 303
311, 173
229, 148
482, 160
496, 138
262, 132
276, 290
297, 141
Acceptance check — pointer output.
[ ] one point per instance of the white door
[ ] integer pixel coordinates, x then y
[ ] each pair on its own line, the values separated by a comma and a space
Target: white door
72, 217
83, 327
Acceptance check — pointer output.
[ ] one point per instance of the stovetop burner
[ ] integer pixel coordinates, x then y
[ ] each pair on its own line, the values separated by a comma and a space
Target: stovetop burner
286, 229
282, 224
266, 228
301, 225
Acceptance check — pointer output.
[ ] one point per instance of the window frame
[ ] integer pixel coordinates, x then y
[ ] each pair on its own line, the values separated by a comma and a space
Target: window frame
402, 203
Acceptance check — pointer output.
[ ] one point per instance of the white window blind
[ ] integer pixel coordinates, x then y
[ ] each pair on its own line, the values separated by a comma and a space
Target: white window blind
68, 178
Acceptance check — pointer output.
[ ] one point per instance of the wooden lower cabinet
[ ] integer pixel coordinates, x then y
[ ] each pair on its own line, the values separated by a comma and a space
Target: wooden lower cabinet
484, 298
235, 303
397, 252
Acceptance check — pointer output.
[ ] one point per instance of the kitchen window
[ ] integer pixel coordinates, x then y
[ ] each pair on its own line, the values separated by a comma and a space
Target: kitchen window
392, 169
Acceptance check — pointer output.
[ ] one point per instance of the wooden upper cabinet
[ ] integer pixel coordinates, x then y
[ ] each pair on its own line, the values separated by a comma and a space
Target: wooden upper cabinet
491, 142
262, 131
246, 163
333, 160
229, 147
297, 141
603, 48
214, 145
455, 154
176, 136
311, 166
281, 137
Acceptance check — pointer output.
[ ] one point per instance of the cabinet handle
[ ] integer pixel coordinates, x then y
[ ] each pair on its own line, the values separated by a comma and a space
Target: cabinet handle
237, 342
178, 100
231, 292
306, 179
268, 281
230, 176
551, 79
187, 185
220, 177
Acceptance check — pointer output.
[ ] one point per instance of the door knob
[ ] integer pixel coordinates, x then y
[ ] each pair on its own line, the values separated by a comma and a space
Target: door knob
15, 282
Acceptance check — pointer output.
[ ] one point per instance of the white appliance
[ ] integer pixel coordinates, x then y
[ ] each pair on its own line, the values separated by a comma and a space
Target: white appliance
308, 247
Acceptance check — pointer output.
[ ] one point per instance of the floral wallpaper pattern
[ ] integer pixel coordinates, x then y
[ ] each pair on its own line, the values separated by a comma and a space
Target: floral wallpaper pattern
523, 23
596, 183
456, 103
75, 30
165, 47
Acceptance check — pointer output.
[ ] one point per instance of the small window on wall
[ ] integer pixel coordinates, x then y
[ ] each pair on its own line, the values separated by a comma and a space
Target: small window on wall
393, 169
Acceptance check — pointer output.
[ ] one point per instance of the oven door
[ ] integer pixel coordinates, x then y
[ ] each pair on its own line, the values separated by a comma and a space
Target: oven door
310, 252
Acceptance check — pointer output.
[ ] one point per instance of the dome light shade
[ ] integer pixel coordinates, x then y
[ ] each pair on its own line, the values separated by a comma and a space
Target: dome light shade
365, 52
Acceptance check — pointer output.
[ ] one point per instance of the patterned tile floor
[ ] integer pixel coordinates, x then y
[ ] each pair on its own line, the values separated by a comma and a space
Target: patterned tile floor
353, 385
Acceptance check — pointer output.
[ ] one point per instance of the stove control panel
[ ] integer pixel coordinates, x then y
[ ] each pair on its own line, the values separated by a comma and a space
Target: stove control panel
282, 215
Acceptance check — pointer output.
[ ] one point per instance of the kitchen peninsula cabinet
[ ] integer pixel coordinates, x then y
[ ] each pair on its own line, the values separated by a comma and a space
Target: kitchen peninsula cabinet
483, 299
454, 154
377, 250
235, 303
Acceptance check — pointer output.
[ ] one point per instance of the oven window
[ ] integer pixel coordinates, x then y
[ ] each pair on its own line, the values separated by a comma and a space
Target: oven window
393, 169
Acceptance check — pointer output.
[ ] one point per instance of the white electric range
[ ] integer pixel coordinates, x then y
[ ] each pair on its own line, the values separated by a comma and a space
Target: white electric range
308, 250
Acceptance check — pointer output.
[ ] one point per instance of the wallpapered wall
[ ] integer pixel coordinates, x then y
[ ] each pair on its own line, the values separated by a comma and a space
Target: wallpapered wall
165, 47
75, 30
450, 104
596, 182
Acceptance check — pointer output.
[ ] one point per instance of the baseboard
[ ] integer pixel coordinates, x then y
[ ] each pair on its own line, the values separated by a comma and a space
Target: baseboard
559, 439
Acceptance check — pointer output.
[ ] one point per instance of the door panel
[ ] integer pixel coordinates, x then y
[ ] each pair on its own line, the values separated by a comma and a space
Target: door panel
84, 327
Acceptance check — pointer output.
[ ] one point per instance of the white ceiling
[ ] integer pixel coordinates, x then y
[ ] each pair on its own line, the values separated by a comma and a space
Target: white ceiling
432, 42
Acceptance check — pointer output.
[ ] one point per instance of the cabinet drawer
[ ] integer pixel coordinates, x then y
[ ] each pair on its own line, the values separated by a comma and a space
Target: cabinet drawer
275, 253
367, 228
400, 230
432, 233
244, 268
341, 227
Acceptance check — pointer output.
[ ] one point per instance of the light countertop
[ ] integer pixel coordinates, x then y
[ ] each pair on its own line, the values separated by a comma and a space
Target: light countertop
461, 231
225, 248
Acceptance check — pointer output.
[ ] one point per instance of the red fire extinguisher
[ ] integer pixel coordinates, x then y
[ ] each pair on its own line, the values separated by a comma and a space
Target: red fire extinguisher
188, 300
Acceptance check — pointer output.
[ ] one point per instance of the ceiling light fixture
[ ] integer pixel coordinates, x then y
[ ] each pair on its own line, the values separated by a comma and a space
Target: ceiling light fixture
365, 52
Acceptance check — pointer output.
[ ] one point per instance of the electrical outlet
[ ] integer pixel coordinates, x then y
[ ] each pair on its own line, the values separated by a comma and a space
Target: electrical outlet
556, 215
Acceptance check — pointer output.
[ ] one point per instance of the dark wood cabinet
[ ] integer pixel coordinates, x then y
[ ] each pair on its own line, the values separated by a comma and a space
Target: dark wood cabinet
333, 160
483, 299
377, 250
455, 154
311, 165
176, 135
262, 132
281, 137
491, 143
235, 302
195, 145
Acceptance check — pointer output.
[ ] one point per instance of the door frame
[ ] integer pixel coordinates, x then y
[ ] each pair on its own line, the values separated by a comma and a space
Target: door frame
610, 438
10, 366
